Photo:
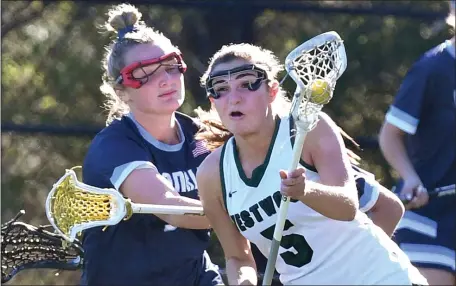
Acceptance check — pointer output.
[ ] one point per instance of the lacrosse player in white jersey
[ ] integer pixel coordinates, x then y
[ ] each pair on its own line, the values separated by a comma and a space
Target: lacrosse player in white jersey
326, 239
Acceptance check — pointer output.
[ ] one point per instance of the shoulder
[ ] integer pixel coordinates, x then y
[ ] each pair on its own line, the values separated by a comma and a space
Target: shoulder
117, 132
430, 60
323, 141
210, 167
208, 174
116, 144
326, 129
209, 179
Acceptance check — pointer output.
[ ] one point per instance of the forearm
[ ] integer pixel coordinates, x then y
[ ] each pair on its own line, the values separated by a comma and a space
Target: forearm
393, 149
339, 203
185, 221
241, 272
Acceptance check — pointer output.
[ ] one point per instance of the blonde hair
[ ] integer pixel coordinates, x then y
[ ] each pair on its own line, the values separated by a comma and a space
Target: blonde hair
213, 131
125, 21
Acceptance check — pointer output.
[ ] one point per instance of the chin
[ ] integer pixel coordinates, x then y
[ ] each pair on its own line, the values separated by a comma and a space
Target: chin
242, 130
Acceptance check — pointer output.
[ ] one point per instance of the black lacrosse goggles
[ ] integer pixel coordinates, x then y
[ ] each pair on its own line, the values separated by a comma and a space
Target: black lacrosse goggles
24, 246
251, 77
138, 73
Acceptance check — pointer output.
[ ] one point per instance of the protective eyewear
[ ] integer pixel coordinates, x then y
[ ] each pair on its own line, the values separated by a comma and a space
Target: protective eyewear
137, 74
250, 77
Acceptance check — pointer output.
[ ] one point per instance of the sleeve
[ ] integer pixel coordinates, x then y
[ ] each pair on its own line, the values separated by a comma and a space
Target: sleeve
405, 111
367, 187
111, 159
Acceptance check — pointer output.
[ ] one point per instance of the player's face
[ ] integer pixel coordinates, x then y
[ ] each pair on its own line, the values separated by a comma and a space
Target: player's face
164, 91
241, 109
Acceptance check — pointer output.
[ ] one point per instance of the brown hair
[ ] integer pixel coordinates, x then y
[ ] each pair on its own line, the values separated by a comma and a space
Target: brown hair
213, 131
125, 20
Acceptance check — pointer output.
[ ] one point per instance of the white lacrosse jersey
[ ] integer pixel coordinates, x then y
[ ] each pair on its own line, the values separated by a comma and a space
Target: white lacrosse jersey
314, 249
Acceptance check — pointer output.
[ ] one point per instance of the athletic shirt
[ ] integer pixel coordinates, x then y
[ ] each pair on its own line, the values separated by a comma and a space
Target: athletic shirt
143, 249
425, 108
314, 249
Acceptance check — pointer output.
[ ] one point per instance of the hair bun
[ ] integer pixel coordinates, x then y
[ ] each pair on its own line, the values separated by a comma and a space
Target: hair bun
122, 16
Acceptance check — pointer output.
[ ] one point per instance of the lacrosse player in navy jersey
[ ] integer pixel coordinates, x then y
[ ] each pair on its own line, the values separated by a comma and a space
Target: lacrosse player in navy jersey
148, 153
418, 139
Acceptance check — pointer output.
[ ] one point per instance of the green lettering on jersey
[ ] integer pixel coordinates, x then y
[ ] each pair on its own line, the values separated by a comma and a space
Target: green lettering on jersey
303, 253
237, 220
247, 219
256, 213
267, 206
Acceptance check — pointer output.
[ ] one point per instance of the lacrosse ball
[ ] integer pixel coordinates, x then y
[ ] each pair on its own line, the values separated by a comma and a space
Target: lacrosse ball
321, 92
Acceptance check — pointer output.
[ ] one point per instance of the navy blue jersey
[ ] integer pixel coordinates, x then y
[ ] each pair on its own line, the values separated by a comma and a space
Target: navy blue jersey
425, 108
143, 249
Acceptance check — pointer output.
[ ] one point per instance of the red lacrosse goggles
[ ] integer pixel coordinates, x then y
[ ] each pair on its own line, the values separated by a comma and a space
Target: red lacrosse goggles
137, 74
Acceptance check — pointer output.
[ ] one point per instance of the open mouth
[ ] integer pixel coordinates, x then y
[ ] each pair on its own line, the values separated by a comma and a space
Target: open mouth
236, 114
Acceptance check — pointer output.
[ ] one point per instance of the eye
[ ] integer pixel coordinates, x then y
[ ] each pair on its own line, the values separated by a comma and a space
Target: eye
145, 71
220, 89
247, 84
172, 68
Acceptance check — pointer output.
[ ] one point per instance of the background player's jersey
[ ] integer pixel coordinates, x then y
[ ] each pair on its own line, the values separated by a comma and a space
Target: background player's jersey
143, 248
425, 108
314, 249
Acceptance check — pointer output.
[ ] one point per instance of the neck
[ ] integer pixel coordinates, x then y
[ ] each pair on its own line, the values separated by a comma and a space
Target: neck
161, 127
253, 148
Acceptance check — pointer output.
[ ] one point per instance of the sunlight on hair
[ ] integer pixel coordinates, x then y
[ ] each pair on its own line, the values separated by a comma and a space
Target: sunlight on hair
121, 17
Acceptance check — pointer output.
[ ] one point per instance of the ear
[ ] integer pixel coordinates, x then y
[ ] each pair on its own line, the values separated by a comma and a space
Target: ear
273, 90
211, 99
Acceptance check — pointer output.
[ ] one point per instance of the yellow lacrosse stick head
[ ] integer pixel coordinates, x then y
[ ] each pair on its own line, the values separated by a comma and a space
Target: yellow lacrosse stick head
72, 206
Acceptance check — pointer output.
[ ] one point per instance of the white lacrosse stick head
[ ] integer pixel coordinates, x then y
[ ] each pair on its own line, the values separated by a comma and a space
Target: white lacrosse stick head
321, 59
72, 206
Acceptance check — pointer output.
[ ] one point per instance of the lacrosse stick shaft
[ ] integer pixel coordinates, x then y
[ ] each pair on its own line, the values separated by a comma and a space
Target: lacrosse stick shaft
283, 210
433, 193
166, 209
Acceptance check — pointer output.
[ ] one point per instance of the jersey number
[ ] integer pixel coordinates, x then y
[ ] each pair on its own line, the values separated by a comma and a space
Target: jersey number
303, 253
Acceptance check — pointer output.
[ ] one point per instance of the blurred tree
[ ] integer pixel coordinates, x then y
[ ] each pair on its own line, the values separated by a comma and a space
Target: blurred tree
51, 53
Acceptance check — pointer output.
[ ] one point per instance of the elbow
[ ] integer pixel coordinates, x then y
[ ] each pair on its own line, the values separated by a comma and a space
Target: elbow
350, 212
350, 208
390, 208
352, 204
382, 138
345, 212
397, 210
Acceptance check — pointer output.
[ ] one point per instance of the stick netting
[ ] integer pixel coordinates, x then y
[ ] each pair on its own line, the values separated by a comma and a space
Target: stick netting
319, 63
24, 246
71, 206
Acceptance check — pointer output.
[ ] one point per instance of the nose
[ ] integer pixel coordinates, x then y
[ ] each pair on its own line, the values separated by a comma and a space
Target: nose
164, 79
234, 97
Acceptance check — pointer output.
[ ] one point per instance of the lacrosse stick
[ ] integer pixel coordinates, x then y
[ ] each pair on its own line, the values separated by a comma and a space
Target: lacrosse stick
25, 246
315, 66
73, 206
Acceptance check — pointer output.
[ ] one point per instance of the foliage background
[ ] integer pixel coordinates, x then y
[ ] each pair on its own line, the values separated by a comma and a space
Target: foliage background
51, 53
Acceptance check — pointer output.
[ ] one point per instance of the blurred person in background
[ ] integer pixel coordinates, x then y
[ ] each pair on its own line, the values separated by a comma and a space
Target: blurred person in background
418, 139
148, 153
